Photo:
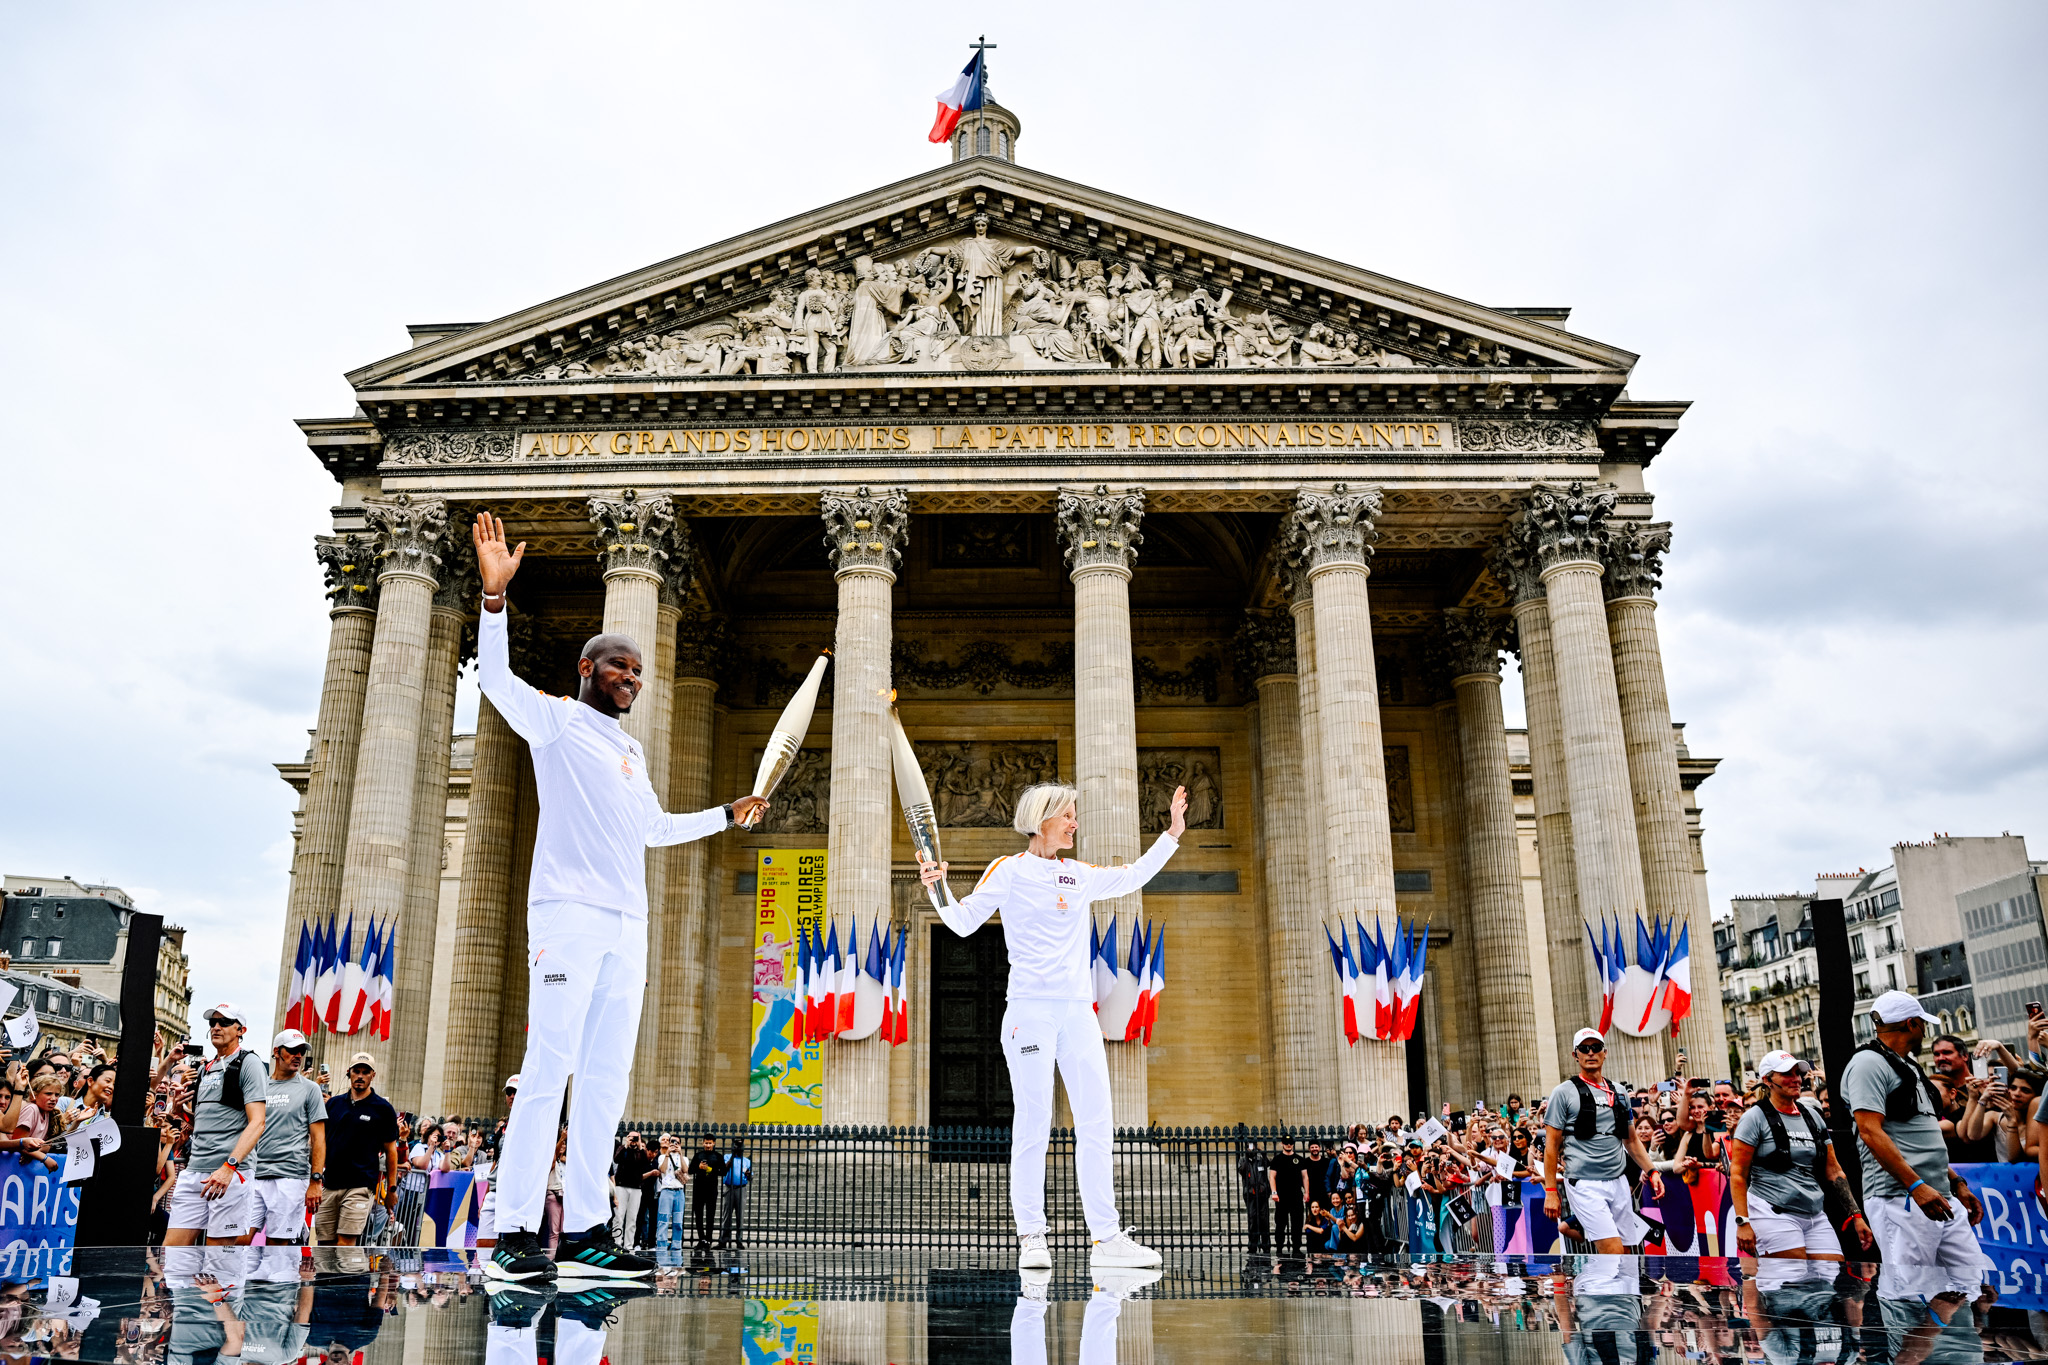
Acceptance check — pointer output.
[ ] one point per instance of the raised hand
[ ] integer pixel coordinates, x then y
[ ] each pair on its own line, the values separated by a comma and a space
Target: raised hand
1180, 813
493, 561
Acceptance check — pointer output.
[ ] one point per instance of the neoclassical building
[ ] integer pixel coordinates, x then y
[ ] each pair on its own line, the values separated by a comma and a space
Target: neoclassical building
1101, 492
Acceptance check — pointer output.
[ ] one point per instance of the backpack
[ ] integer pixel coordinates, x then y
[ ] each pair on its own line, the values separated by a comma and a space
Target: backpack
1779, 1158
1584, 1124
231, 1084
739, 1170
1900, 1106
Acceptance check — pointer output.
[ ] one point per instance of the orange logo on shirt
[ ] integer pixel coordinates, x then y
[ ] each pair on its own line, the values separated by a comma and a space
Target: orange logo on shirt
626, 766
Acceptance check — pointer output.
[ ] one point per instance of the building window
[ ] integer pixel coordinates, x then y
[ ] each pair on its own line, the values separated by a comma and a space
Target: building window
963, 142
28, 947
1891, 976
56, 947
981, 140
35, 912
1002, 144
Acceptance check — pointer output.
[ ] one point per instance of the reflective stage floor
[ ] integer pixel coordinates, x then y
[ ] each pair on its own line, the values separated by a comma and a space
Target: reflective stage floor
409, 1308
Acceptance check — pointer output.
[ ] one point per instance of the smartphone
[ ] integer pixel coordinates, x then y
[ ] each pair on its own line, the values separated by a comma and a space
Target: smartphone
195, 1049
1980, 1067
2004, 1074
1667, 1086
2033, 1009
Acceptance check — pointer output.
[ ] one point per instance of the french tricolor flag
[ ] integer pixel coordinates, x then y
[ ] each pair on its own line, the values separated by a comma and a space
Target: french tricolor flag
299, 1013
1678, 979
966, 94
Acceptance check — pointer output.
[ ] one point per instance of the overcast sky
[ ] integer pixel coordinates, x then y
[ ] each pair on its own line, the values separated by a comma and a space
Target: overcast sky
1822, 223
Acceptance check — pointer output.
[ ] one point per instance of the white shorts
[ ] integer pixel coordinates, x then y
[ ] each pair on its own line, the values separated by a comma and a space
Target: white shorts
1777, 1231
487, 1216
231, 1215
1606, 1208
278, 1206
1923, 1258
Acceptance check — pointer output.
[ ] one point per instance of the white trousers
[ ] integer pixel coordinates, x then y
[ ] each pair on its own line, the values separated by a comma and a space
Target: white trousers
586, 970
1036, 1034
1923, 1258
1098, 1325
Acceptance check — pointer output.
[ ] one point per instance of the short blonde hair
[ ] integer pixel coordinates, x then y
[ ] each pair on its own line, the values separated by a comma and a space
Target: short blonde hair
1041, 803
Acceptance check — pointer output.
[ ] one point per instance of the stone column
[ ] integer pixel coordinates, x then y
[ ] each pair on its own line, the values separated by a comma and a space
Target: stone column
413, 977
1635, 562
864, 532
376, 870
1100, 534
1326, 1098
1573, 992
689, 947
1330, 537
1302, 989
482, 973
1569, 528
636, 546
1493, 873
349, 564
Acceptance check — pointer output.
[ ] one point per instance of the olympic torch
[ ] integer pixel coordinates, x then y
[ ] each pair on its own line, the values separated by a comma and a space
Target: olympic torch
915, 798
787, 739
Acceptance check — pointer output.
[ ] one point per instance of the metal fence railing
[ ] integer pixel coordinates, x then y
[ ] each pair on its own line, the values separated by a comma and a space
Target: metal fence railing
876, 1188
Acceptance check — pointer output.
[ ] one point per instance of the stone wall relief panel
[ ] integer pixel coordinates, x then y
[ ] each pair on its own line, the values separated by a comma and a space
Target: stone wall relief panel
1400, 789
1160, 770
975, 783
803, 803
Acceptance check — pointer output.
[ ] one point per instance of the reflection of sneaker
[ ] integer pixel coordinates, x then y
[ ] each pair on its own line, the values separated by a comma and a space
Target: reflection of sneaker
594, 1255
1035, 1283
593, 1305
1033, 1253
517, 1305
1121, 1283
520, 1256
1120, 1250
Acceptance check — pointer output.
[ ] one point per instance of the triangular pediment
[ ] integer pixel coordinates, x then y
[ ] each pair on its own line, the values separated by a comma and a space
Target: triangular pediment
983, 265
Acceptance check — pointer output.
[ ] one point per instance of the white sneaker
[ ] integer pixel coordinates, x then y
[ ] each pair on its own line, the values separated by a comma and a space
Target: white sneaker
1120, 1250
1032, 1252
1035, 1283
1119, 1283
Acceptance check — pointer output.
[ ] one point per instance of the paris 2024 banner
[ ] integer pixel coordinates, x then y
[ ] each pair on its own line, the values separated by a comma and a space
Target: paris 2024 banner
785, 1079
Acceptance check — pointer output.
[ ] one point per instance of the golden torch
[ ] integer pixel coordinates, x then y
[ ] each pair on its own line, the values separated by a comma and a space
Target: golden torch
787, 740
915, 798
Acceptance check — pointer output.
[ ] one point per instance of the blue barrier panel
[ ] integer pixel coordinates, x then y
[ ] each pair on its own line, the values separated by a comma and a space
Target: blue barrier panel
2014, 1233
38, 1220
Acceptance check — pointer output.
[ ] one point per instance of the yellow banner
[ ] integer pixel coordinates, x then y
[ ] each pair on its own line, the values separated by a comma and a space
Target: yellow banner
785, 1083
779, 1331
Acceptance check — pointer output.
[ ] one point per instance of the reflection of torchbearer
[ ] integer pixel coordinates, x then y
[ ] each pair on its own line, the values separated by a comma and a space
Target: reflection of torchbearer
788, 737
916, 799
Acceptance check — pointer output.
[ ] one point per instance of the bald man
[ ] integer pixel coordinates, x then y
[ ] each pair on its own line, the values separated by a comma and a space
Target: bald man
586, 932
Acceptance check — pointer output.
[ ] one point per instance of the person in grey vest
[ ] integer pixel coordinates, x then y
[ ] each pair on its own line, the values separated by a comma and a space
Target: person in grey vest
1928, 1251
1781, 1167
1587, 1122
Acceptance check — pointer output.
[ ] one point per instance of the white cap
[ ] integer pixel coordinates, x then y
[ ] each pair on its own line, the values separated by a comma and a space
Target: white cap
512, 1082
1587, 1034
1781, 1060
1896, 1007
228, 1012
287, 1037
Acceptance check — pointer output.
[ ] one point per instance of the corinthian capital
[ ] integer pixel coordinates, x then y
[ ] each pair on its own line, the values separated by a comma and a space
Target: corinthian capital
680, 582
1265, 646
1568, 524
865, 530
634, 534
1332, 530
1099, 529
700, 645
461, 584
1472, 641
409, 532
350, 565
1515, 564
1635, 557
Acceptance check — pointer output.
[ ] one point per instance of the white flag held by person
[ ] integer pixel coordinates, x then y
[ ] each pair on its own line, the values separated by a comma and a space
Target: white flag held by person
23, 1030
8, 990
1430, 1132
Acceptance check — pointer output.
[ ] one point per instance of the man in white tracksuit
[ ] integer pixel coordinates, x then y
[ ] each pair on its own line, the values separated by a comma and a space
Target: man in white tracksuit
1044, 901
586, 932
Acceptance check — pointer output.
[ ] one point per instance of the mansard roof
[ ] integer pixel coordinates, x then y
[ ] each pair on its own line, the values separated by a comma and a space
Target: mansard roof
1393, 326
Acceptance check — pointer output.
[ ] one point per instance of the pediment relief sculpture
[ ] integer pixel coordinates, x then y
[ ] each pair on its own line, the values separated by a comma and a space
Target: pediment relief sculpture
979, 302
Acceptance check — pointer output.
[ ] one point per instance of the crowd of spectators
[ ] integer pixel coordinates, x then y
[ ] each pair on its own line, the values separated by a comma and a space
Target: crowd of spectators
1386, 1189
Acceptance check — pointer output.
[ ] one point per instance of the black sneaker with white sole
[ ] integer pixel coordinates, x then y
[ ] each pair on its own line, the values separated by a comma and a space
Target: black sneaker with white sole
593, 1304
520, 1256
517, 1305
592, 1254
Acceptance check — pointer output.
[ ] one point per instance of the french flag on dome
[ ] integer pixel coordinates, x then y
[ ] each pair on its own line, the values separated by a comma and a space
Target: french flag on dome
966, 94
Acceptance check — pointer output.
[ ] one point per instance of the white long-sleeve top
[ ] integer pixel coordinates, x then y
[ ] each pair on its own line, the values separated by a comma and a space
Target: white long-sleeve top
1044, 903
598, 811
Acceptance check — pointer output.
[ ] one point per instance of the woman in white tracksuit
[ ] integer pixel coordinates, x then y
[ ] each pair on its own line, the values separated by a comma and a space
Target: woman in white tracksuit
1051, 1019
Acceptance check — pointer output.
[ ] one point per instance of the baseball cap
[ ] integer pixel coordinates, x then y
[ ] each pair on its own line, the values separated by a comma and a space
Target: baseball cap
287, 1037
1781, 1060
363, 1059
511, 1082
1896, 1007
227, 1012
1588, 1035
